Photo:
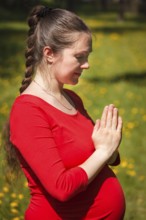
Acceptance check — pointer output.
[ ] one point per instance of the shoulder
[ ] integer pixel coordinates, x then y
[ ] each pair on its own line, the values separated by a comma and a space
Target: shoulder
29, 100
26, 105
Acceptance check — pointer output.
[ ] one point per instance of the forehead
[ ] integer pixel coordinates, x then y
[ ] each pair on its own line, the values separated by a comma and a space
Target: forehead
83, 41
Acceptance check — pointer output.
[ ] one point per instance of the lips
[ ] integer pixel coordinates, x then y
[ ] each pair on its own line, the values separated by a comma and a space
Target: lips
78, 74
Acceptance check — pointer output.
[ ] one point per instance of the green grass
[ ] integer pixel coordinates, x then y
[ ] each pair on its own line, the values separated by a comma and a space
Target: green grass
117, 75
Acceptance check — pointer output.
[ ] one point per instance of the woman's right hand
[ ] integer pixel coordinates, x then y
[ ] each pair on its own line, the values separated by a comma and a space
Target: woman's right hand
107, 132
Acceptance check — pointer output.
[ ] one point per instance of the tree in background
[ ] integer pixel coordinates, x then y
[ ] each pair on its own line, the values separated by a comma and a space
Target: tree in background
134, 6
105, 4
122, 9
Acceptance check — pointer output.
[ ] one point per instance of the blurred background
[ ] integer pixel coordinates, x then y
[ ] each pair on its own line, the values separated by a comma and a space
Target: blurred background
117, 75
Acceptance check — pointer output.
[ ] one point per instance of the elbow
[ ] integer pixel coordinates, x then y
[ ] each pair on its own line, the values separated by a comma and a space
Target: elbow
67, 186
64, 196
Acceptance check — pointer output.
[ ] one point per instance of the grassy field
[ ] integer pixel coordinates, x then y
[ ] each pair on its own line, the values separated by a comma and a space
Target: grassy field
117, 75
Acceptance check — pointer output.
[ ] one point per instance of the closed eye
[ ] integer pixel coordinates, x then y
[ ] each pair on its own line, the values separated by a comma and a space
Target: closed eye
81, 58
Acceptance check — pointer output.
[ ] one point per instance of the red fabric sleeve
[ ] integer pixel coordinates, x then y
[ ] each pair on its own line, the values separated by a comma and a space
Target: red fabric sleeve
32, 136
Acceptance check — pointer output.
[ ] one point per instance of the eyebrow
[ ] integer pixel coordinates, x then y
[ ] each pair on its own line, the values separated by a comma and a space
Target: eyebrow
85, 51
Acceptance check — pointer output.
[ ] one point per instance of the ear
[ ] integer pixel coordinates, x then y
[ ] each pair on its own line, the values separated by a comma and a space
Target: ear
48, 54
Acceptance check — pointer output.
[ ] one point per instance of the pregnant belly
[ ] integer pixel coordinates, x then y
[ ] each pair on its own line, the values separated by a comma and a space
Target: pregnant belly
103, 199
109, 201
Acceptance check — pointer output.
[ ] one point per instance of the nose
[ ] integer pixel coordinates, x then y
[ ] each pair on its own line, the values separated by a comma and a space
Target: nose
85, 65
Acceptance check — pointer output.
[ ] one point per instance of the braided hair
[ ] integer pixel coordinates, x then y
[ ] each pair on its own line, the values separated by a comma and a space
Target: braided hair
30, 51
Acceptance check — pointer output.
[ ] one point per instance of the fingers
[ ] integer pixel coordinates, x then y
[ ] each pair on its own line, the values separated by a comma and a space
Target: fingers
104, 117
95, 130
115, 119
97, 124
110, 118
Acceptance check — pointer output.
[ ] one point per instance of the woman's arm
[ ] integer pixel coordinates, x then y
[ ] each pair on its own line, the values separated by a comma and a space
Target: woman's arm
106, 138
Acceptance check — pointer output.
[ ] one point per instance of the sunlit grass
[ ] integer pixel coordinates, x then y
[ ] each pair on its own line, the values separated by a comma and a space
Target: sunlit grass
20, 26
117, 75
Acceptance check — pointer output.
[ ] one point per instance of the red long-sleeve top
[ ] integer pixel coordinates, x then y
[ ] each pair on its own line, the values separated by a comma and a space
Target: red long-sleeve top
50, 145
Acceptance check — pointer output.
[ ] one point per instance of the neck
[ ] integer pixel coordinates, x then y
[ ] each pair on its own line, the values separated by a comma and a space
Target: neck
49, 84
58, 94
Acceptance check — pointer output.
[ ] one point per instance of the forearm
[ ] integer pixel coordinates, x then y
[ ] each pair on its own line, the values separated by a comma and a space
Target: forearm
93, 165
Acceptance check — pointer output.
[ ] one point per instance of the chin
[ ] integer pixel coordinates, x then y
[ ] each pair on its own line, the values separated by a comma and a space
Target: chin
75, 82
72, 82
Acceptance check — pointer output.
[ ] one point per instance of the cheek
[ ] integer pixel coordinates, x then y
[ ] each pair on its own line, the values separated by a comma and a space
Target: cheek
68, 67
65, 69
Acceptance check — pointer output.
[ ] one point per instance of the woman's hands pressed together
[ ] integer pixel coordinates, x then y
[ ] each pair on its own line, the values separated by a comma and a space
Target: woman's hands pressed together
106, 137
107, 131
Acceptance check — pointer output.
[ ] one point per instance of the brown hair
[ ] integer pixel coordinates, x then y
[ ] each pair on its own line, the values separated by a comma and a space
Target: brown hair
47, 27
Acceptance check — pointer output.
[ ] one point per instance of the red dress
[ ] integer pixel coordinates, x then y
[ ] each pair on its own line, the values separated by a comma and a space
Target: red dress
50, 145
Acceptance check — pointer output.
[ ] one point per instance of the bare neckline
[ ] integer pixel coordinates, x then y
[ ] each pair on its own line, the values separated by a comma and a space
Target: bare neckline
47, 103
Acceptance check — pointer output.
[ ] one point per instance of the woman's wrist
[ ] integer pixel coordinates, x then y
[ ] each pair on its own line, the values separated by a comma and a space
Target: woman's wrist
93, 165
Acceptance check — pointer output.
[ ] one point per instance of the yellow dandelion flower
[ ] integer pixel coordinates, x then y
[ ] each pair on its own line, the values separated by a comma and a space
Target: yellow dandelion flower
20, 196
14, 211
1, 194
13, 204
13, 195
16, 218
115, 170
130, 125
5, 189
26, 184
124, 163
131, 172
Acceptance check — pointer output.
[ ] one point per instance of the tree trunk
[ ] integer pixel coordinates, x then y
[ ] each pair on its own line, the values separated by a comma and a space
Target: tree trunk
135, 6
104, 4
122, 8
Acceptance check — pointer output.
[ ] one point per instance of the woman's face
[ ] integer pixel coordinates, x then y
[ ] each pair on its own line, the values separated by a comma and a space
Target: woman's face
69, 64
